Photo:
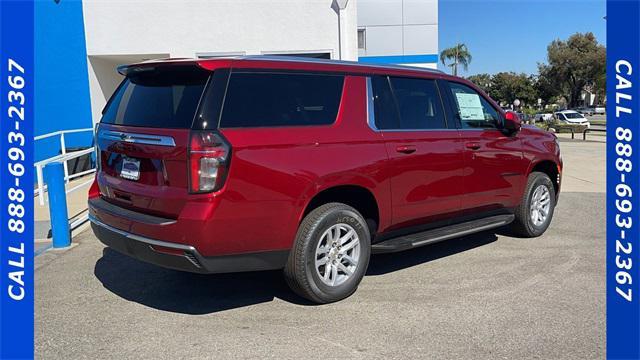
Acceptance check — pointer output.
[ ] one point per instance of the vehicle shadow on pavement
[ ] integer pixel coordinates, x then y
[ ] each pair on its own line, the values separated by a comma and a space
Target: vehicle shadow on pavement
197, 294
188, 293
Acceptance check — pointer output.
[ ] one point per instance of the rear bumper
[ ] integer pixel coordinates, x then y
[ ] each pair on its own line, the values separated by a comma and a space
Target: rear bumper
183, 257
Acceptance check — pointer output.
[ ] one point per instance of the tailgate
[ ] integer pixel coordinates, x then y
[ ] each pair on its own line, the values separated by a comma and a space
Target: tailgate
143, 138
160, 156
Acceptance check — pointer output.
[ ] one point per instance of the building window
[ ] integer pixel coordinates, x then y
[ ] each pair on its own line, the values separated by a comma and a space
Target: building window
213, 55
318, 55
362, 39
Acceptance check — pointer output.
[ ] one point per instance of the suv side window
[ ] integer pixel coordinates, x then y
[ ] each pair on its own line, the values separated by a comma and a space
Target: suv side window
281, 99
384, 105
419, 104
407, 104
474, 111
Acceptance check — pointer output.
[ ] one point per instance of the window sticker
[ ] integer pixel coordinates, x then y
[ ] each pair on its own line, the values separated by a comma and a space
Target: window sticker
470, 106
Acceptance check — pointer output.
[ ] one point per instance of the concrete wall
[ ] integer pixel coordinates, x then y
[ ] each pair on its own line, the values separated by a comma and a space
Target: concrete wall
399, 31
120, 32
104, 79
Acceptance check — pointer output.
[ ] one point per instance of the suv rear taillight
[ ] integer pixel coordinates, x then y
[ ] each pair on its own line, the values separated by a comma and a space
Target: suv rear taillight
94, 190
208, 161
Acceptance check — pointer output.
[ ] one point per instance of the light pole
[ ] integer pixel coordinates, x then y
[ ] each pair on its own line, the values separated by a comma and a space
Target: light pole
342, 5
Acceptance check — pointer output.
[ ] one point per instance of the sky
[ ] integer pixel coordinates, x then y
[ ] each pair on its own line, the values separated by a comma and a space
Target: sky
512, 35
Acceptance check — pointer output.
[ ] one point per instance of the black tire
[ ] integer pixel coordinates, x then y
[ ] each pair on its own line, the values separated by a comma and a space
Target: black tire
523, 225
300, 271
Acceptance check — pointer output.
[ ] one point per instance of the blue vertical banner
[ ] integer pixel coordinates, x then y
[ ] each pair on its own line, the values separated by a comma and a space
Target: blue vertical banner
623, 180
16, 179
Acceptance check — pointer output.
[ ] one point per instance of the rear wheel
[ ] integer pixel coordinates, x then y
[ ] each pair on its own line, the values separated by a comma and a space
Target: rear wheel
534, 213
330, 254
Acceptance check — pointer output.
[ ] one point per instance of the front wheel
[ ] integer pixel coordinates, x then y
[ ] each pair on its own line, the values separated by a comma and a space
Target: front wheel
534, 213
330, 255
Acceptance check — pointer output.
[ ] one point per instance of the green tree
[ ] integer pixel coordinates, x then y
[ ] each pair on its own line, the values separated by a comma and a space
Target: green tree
575, 64
547, 87
600, 87
483, 81
509, 86
457, 55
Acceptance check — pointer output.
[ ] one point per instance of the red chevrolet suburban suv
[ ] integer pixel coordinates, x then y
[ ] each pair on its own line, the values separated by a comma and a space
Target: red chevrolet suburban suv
258, 163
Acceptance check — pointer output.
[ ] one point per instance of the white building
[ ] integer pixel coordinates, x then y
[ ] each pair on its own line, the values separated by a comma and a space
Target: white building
125, 32
398, 31
79, 44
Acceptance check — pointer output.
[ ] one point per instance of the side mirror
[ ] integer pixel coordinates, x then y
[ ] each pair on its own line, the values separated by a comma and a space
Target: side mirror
512, 122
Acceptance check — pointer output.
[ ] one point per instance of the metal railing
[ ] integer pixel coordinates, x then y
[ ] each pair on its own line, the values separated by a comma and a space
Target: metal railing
573, 133
63, 157
584, 133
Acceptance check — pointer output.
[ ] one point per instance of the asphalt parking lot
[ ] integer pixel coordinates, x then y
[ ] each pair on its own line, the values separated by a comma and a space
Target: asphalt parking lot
486, 296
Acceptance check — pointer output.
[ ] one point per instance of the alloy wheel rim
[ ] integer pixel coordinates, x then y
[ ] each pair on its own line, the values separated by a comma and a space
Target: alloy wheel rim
337, 254
540, 205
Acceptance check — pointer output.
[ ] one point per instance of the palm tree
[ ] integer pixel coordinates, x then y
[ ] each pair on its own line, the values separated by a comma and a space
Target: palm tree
459, 54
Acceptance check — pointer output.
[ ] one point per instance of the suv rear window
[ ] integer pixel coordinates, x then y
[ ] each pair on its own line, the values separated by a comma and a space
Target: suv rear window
278, 99
160, 98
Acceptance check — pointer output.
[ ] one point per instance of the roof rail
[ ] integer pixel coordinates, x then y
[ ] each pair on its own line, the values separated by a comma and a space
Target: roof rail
330, 62
148, 65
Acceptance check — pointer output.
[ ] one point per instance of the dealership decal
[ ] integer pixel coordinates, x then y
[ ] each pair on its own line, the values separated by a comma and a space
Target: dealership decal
623, 190
16, 180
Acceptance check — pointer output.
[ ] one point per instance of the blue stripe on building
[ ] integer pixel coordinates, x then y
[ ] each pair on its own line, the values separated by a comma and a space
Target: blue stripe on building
400, 59
62, 82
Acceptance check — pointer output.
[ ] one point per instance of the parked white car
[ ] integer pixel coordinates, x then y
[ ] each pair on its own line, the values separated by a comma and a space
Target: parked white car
572, 117
599, 110
546, 117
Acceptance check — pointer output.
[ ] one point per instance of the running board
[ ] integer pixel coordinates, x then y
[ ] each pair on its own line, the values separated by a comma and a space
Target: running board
444, 233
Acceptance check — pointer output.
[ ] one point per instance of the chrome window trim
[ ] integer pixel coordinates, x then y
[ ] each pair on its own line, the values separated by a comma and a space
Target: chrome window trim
147, 139
371, 116
416, 130
481, 129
